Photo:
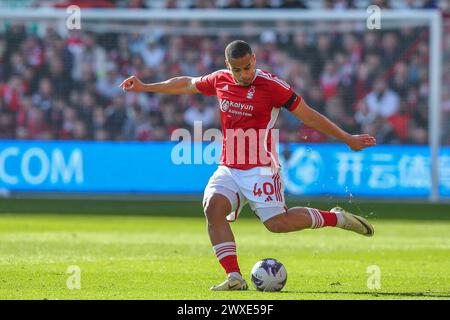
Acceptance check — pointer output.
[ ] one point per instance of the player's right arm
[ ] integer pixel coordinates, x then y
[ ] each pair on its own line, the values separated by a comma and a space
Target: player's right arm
177, 85
315, 120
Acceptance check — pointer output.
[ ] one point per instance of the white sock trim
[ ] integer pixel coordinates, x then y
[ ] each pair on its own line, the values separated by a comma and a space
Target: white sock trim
317, 220
224, 249
340, 219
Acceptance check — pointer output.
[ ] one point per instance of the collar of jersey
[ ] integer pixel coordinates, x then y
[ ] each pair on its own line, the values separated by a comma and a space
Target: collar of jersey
254, 77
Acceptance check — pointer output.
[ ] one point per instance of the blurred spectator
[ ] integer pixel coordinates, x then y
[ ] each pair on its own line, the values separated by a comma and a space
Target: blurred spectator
293, 4
399, 82
86, 4
33, 52
261, 4
86, 111
89, 52
339, 4
142, 127
382, 100
108, 86
11, 93
202, 4
79, 131
233, 4
6, 125
409, 4
115, 117
17, 65
429, 4
55, 117
300, 48
390, 52
420, 117
15, 36
136, 4
329, 80
335, 111
7, 122
59, 78
171, 4
382, 131
364, 116
324, 52
316, 99
69, 122
44, 98
3, 47
153, 54
99, 124
198, 111
383, 4
400, 122
37, 126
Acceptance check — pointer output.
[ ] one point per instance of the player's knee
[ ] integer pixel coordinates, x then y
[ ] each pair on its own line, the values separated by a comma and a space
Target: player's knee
210, 211
214, 208
214, 213
276, 224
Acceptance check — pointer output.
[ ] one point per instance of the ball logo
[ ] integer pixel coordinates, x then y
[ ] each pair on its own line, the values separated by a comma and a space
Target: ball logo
224, 105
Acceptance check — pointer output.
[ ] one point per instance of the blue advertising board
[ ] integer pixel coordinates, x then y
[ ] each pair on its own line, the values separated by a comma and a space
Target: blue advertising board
169, 167
378, 171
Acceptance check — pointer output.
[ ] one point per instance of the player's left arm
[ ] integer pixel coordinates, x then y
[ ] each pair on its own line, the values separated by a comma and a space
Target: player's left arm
314, 119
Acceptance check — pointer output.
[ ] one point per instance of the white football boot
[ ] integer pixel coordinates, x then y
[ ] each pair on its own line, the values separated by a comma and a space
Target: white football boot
352, 222
231, 284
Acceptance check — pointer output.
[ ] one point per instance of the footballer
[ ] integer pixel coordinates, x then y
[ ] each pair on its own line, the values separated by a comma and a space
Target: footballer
251, 99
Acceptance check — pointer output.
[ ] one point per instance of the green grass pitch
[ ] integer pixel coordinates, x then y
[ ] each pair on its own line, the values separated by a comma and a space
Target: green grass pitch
161, 250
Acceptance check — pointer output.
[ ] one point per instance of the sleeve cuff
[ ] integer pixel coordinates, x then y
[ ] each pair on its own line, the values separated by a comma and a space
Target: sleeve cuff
293, 102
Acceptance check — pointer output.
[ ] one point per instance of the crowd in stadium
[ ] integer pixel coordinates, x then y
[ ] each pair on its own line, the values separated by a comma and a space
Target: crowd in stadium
55, 87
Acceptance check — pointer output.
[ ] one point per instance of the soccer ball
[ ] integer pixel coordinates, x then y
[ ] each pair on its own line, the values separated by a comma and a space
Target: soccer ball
269, 275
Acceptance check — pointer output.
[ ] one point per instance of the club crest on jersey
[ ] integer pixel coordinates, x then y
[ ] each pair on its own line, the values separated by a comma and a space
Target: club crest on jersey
251, 92
224, 105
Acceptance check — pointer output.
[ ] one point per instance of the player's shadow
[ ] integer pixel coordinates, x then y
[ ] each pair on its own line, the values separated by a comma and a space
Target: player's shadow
377, 293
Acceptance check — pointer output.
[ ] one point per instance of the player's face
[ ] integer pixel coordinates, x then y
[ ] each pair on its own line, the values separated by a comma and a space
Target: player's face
243, 69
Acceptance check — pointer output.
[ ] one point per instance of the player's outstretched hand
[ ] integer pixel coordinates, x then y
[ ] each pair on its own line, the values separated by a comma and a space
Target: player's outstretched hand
132, 84
358, 142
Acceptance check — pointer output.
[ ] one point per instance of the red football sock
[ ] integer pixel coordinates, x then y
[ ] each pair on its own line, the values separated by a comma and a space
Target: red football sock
230, 264
226, 254
322, 218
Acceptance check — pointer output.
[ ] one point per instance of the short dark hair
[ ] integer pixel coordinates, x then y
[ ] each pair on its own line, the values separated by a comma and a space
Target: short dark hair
237, 49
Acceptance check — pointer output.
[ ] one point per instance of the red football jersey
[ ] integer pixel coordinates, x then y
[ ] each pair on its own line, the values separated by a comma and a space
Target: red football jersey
248, 114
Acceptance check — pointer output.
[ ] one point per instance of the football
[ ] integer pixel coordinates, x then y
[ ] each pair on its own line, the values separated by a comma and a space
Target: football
269, 275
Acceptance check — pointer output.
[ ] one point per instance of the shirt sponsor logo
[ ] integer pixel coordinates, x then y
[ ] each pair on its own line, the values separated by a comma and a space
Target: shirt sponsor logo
237, 108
